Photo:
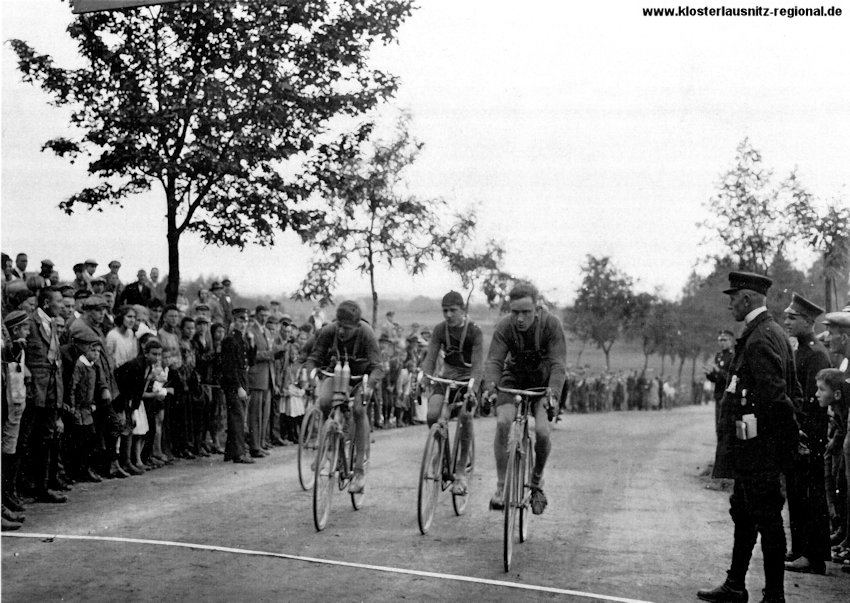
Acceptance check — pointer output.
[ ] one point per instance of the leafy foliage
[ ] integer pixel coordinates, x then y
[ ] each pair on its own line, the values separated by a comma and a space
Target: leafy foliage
219, 103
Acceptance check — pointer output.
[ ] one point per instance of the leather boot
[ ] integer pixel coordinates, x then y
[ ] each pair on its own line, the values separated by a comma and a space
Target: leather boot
11, 465
12, 516
115, 470
725, 593
10, 525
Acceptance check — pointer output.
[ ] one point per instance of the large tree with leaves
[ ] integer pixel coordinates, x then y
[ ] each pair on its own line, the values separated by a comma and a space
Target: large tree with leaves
371, 218
746, 213
602, 306
217, 104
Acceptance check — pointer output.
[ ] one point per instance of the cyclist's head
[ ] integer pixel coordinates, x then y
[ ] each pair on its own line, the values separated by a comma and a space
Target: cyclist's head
453, 308
347, 319
522, 300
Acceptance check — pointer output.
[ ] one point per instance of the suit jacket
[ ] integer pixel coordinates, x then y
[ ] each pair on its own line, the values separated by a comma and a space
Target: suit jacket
46, 388
261, 373
762, 382
131, 295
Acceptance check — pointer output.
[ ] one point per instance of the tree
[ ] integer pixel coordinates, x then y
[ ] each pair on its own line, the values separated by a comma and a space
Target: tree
602, 306
746, 215
474, 267
827, 232
370, 217
216, 103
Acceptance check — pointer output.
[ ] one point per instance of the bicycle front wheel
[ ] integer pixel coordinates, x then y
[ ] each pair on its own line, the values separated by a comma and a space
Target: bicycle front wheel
526, 464
325, 474
459, 501
512, 489
430, 479
308, 447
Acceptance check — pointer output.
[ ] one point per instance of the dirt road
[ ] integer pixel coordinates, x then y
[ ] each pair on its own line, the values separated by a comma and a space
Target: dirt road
628, 518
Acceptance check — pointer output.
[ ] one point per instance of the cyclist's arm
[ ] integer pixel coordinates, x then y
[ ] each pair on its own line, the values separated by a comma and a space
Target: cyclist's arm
318, 355
555, 345
434, 345
477, 370
497, 354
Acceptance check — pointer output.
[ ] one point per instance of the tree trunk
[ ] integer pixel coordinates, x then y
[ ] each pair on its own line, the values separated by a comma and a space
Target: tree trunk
374, 297
607, 352
645, 361
173, 237
694, 391
663, 359
681, 366
580, 352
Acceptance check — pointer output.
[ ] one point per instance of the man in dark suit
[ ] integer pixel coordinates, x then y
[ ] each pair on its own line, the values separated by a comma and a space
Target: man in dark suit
222, 295
718, 373
260, 384
756, 439
236, 357
41, 424
804, 484
138, 293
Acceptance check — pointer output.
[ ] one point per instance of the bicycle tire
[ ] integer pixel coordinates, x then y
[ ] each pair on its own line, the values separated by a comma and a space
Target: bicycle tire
430, 479
308, 447
527, 466
324, 478
459, 501
356, 499
511, 479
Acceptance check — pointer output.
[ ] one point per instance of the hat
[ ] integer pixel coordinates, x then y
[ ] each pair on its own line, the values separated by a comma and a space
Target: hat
749, 281
286, 319
67, 290
47, 263
79, 267
91, 261
98, 279
226, 282
215, 286
384, 337
82, 294
452, 298
15, 318
241, 312
94, 301
274, 302
201, 318
85, 336
114, 264
348, 313
803, 307
201, 307
838, 319
272, 320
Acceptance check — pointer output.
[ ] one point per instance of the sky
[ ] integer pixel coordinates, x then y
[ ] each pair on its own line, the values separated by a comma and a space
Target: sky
572, 129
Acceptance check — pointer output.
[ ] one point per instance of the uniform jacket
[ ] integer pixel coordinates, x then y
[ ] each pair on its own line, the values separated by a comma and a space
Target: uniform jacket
46, 388
720, 375
763, 382
810, 358
236, 357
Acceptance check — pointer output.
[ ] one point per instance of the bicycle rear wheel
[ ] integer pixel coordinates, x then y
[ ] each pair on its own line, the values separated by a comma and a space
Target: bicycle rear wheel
511, 499
325, 474
459, 501
527, 465
356, 499
430, 479
308, 447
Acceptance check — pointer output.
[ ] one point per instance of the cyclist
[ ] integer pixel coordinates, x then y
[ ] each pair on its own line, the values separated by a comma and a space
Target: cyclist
348, 338
463, 344
528, 350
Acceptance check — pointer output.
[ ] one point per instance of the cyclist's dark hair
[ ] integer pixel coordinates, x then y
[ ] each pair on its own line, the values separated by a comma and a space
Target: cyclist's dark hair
523, 289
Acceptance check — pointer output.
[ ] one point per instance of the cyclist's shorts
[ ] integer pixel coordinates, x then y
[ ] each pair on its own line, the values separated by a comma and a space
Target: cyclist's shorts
524, 381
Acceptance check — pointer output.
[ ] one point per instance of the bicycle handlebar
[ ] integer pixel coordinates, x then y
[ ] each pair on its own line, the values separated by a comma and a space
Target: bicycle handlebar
470, 384
353, 377
536, 392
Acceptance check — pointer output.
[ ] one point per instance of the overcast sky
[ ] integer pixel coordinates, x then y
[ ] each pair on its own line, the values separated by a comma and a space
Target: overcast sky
574, 129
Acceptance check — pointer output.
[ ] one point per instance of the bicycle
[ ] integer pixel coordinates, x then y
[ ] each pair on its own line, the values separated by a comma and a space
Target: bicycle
336, 453
517, 492
308, 443
440, 460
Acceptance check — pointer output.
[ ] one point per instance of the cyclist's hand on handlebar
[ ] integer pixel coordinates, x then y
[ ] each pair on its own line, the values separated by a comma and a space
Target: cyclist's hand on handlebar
552, 404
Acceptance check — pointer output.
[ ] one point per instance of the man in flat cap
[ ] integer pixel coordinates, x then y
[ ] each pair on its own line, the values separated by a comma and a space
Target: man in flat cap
37, 282
222, 296
757, 438
804, 484
81, 281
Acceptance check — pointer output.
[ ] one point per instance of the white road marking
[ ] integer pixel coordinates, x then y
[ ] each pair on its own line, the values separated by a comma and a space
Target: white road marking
377, 568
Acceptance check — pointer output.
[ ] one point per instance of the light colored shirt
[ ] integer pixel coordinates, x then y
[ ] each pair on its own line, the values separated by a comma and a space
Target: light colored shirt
121, 347
752, 315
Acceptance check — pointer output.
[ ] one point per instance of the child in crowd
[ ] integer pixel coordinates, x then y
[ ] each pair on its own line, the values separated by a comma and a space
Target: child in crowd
81, 403
830, 394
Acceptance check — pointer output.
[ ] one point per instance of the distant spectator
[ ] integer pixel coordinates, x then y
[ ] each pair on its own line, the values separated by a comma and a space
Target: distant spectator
19, 272
136, 293
39, 281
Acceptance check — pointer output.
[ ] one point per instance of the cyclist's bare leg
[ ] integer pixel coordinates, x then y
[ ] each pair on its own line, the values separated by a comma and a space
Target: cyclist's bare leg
361, 432
542, 445
435, 404
324, 395
465, 423
505, 414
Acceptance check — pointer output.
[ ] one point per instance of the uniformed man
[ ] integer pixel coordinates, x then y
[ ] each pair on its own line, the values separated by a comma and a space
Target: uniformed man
757, 437
718, 372
804, 484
